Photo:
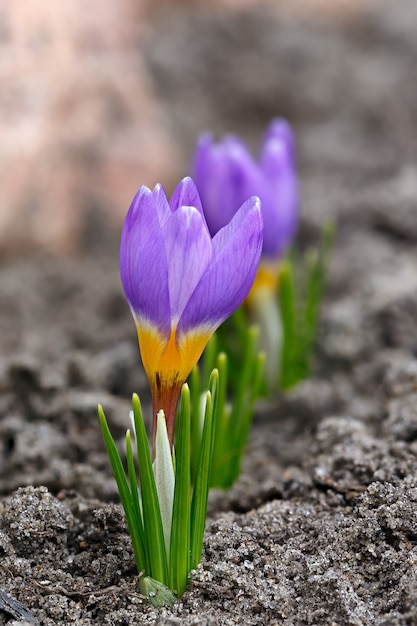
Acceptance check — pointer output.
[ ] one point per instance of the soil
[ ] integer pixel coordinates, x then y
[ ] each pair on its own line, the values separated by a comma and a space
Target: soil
321, 528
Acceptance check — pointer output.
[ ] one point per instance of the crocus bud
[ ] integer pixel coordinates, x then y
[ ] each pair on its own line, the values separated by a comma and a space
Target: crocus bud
226, 175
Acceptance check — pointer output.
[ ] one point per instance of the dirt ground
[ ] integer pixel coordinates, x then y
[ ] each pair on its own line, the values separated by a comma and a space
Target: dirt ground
322, 526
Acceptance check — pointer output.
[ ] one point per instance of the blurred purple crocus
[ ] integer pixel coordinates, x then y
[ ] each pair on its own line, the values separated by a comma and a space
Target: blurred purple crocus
181, 282
226, 175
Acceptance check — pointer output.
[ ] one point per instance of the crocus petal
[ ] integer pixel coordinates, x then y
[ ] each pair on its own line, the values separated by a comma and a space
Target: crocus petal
186, 194
227, 280
221, 174
280, 129
215, 197
163, 210
226, 175
244, 178
188, 251
280, 200
143, 263
199, 162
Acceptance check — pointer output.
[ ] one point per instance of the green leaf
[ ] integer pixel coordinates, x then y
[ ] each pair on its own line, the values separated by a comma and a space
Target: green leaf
316, 264
128, 504
243, 411
179, 562
201, 487
241, 424
302, 286
134, 491
289, 324
210, 356
245, 382
152, 522
196, 430
221, 415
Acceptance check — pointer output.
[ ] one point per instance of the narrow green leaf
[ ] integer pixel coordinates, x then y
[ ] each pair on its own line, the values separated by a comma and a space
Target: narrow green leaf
314, 279
231, 337
316, 264
221, 417
288, 312
201, 487
125, 494
240, 322
240, 436
301, 292
245, 383
152, 522
179, 562
243, 407
195, 391
134, 491
210, 353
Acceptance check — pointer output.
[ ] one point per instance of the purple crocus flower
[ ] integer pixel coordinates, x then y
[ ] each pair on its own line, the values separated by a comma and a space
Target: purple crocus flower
226, 175
181, 282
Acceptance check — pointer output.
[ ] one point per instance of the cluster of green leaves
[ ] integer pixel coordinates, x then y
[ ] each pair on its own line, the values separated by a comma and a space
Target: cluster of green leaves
300, 292
301, 289
164, 569
233, 349
233, 413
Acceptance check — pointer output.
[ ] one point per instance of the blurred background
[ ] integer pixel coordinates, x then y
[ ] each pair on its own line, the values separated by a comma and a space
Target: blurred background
100, 97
